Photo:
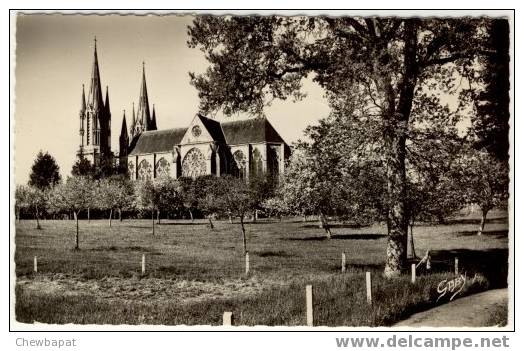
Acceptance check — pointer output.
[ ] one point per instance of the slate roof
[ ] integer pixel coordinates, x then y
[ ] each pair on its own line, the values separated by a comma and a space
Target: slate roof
157, 141
253, 130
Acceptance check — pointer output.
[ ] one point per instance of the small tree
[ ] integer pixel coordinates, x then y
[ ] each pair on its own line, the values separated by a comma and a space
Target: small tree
33, 200
169, 196
484, 180
115, 193
275, 206
44, 172
231, 195
75, 195
21, 199
189, 195
147, 199
82, 167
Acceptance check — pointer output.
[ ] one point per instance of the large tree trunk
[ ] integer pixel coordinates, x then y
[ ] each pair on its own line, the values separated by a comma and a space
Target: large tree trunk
191, 215
88, 215
158, 216
120, 214
483, 221
324, 224
75, 214
211, 226
396, 128
110, 216
230, 219
244, 241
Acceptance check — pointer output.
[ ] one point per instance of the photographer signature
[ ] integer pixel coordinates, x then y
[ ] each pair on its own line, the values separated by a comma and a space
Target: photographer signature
451, 286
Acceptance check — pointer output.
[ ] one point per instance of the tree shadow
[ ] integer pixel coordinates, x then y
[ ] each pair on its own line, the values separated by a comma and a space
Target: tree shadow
339, 237
496, 220
337, 225
492, 263
497, 234
183, 223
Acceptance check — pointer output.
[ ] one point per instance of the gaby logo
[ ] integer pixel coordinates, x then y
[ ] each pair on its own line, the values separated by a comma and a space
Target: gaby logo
451, 286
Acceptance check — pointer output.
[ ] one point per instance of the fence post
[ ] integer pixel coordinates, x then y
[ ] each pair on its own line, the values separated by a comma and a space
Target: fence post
343, 262
309, 305
35, 265
368, 287
413, 273
247, 263
143, 264
456, 266
227, 320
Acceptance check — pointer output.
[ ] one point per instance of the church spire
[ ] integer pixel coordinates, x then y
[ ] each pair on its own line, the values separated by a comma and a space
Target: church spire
124, 126
95, 91
143, 103
133, 122
83, 102
153, 120
107, 99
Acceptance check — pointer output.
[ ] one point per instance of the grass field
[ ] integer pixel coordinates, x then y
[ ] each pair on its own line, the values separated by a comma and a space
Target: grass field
194, 274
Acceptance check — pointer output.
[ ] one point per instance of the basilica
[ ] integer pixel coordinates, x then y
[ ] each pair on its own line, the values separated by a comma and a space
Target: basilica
242, 148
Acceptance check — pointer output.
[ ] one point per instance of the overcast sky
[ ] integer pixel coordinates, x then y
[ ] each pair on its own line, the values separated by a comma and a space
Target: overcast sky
54, 56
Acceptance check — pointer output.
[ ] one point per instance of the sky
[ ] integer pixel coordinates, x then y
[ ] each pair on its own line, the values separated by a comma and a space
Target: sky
54, 56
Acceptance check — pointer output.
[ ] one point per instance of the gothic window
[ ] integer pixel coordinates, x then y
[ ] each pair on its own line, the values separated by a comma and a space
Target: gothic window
239, 168
144, 170
273, 159
194, 164
256, 162
162, 168
131, 167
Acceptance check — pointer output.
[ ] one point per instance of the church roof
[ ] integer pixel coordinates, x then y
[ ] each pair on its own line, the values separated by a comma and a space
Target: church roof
256, 130
252, 130
157, 141
214, 128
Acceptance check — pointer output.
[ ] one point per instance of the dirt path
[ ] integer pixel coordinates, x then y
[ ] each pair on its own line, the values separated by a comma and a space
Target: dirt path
469, 311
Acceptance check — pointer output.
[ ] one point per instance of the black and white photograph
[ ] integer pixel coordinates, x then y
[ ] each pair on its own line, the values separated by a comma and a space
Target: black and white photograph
247, 171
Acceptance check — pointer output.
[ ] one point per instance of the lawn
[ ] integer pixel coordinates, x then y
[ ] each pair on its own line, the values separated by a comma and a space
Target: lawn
194, 274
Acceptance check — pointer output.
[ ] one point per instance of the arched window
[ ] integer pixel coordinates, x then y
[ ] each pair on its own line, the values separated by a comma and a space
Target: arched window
194, 164
239, 166
273, 160
144, 170
256, 163
162, 168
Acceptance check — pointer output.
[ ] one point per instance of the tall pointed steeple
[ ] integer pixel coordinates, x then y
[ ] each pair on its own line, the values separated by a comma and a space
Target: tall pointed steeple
83, 102
133, 123
94, 99
106, 104
124, 126
143, 114
153, 120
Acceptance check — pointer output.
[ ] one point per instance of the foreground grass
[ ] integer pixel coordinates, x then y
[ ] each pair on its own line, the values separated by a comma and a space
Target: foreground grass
338, 301
194, 274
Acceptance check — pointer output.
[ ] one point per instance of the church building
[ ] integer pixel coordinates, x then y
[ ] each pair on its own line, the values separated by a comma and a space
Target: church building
242, 148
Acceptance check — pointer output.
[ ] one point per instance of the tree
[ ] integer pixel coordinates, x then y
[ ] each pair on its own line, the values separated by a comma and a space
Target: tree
276, 206
383, 63
82, 167
490, 123
231, 196
114, 193
169, 198
33, 200
147, 198
75, 195
484, 180
261, 187
21, 199
44, 172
